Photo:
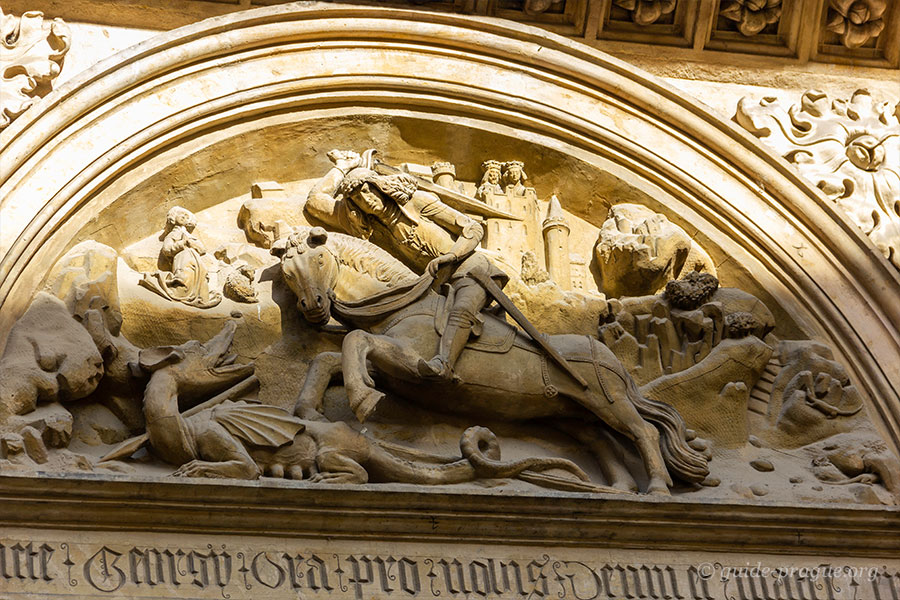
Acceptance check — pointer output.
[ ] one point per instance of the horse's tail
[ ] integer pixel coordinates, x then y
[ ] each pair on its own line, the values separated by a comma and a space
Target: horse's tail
683, 461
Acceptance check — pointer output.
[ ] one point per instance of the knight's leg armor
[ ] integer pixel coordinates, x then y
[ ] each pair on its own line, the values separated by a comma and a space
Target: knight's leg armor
468, 302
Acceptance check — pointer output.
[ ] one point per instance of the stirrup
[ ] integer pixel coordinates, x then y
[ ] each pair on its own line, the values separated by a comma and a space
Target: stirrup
436, 367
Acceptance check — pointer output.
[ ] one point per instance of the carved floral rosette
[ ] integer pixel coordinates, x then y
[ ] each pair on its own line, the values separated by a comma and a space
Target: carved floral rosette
850, 149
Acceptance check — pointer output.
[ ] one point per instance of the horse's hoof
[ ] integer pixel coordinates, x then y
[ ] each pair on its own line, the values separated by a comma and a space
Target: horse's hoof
366, 403
659, 490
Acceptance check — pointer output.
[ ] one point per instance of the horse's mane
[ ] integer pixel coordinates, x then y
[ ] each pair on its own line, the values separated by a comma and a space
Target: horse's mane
361, 256
366, 257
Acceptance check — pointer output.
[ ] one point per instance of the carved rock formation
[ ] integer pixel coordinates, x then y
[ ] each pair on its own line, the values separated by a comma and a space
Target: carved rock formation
31, 57
638, 251
665, 334
49, 357
269, 214
849, 149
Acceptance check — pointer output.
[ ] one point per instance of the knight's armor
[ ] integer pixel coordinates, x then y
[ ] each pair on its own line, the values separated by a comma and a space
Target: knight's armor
418, 228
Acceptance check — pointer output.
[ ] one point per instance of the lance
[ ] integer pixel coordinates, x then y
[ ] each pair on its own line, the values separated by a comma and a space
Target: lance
448, 196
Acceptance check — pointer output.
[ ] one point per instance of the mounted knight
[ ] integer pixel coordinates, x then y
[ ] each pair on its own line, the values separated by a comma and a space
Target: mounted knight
418, 228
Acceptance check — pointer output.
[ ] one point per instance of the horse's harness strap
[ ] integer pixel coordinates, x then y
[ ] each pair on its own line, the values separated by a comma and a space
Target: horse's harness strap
550, 390
384, 303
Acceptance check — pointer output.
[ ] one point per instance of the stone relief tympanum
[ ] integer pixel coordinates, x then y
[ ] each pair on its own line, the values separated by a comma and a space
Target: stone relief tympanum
410, 311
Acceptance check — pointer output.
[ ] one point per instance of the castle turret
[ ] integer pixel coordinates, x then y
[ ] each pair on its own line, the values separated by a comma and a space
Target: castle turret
556, 244
443, 174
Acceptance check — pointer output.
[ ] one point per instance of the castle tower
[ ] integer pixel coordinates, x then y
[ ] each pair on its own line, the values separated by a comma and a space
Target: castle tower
556, 244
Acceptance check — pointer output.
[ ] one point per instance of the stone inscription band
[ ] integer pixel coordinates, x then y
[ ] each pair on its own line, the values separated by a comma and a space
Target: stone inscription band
302, 570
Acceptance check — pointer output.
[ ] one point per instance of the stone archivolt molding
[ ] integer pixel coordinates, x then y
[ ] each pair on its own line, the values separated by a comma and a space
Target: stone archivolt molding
31, 55
101, 136
848, 148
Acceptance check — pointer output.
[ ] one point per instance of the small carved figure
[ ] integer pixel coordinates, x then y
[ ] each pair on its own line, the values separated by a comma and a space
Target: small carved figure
420, 230
514, 177
812, 395
850, 458
186, 280
491, 179
443, 173
506, 376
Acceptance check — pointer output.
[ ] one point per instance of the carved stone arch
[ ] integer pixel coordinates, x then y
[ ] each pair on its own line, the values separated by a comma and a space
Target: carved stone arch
226, 90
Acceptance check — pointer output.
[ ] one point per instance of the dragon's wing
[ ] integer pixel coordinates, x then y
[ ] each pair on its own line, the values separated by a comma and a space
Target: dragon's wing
258, 424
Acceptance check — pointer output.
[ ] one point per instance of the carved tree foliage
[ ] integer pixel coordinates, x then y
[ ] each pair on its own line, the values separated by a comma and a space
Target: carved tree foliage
751, 16
850, 149
31, 56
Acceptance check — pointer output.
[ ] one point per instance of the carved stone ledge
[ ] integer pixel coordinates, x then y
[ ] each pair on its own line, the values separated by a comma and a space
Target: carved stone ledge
407, 512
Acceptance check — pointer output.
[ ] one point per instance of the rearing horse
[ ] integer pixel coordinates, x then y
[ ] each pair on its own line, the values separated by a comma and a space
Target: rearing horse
395, 320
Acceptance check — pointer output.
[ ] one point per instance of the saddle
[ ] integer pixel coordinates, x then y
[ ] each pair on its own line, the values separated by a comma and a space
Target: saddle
490, 333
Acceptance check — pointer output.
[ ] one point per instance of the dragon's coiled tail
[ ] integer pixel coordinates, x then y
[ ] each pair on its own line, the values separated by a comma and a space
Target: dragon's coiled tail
480, 447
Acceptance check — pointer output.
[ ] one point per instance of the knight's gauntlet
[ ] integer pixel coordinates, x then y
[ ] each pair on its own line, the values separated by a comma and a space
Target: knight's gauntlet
469, 238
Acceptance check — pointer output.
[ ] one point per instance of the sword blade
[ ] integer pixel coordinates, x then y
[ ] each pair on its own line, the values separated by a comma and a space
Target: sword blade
503, 300
451, 198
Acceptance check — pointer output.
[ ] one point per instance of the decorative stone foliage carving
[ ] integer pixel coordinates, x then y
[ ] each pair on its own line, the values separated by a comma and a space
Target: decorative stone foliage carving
646, 12
31, 57
856, 21
751, 16
850, 149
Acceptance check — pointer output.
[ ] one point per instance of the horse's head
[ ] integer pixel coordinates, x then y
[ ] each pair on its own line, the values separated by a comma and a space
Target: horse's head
310, 269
